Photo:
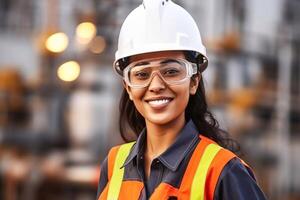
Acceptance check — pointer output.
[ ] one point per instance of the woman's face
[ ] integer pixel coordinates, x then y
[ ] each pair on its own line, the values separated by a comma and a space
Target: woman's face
160, 103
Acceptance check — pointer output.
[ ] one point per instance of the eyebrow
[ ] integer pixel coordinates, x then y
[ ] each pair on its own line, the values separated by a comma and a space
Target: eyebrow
169, 61
162, 62
141, 63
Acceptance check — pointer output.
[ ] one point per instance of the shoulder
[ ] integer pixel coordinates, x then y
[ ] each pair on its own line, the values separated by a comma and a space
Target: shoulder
237, 181
231, 178
237, 166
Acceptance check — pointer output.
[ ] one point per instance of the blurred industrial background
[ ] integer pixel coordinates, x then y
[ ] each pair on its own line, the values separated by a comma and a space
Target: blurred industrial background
59, 94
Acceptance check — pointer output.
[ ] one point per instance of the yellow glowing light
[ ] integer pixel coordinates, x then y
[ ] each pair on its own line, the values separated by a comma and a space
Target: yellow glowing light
85, 32
98, 45
69, 71
57, 42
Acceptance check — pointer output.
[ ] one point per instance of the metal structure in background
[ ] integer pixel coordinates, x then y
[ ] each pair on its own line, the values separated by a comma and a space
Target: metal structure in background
283, 108
17, 16
288, 98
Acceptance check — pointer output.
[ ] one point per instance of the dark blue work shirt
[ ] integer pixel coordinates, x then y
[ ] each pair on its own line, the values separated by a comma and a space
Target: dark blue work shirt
236, 182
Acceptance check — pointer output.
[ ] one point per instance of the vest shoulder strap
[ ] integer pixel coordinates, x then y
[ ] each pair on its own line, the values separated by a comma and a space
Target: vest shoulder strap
199, 181
216, 167
204, 169
116, 159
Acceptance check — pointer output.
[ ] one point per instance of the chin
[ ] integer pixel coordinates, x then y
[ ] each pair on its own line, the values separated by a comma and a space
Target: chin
162, 119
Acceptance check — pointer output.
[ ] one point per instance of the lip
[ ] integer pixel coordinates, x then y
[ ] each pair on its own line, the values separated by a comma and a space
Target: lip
159, 102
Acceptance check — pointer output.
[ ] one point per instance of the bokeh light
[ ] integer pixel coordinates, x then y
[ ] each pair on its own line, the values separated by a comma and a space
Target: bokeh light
98, 45
85, 32
69, 71
57, 42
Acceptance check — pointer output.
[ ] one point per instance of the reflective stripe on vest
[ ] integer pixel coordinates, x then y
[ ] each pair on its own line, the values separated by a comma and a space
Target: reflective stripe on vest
118, 172
198, 185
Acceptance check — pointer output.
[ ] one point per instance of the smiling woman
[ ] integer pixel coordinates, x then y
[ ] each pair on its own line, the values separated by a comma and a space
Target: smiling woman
161, 102
180, 151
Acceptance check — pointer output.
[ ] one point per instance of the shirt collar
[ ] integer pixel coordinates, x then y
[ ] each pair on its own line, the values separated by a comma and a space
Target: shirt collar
183, 144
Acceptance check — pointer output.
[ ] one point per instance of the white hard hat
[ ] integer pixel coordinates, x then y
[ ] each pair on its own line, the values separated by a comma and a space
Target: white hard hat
158, 25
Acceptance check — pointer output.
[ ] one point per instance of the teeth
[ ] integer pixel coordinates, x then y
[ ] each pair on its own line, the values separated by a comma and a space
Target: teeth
159, 102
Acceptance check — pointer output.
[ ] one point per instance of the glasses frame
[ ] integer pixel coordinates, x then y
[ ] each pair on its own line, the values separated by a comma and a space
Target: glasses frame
191, 69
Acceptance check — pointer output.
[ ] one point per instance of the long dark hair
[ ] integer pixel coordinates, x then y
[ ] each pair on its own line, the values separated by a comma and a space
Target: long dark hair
131, 121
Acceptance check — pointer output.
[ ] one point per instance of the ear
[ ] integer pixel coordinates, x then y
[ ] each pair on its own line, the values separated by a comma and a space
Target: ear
194, 83
128, 89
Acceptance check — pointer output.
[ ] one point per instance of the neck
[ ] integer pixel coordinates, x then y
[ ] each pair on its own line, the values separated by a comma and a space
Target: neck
160, 137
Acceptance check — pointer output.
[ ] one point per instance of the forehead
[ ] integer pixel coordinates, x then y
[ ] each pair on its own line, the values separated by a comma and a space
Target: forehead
170, 54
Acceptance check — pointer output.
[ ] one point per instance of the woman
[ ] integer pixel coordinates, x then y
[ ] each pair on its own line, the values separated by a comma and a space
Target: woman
180, 153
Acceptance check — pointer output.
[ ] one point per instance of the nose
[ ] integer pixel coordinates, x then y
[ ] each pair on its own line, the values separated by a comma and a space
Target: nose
156, 84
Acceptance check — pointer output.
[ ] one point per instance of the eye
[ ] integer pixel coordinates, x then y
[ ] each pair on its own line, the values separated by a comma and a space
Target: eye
171, 72
141, 75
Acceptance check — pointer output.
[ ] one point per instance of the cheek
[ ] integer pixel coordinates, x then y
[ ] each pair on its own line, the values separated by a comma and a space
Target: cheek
182, 98
135, 94
185, 98
136, 97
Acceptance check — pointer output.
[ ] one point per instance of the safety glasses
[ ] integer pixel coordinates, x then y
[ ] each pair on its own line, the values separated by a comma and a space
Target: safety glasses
172, 71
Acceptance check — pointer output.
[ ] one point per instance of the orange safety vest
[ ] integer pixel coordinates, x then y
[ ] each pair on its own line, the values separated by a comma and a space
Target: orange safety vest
198, 183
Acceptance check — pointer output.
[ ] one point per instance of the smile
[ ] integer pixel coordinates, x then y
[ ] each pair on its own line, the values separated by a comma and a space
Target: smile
159, 103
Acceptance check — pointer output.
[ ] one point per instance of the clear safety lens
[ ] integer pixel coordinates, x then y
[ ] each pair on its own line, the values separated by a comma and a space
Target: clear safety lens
172, 71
